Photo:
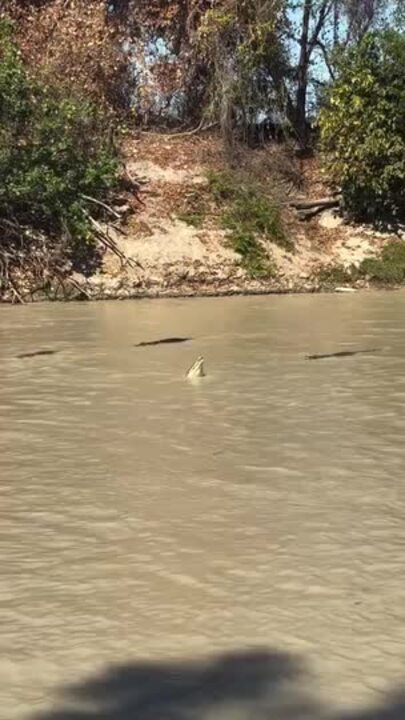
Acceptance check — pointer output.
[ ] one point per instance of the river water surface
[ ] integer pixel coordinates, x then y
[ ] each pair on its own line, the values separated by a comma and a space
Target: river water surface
197, 539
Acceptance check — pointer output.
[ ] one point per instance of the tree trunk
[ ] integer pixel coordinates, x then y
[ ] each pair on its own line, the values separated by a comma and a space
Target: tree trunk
336, 23
302, 77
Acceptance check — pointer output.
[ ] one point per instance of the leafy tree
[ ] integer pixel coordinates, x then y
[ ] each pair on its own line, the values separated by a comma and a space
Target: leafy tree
315, 31
363, 127
79, 43
54, 151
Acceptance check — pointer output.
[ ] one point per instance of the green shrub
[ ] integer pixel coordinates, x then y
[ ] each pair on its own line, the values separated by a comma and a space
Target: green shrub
389, 268
193, 208
223, 185
331, 276
54, 149
195, 219
249, 217
363, 127
255, 213
254, 257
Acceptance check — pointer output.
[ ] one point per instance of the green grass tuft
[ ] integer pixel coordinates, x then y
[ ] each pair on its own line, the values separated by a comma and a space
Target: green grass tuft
195, 219
389, 268
332, 276
250, 218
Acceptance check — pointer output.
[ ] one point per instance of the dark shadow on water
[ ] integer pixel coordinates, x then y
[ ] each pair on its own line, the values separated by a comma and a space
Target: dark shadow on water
249, 685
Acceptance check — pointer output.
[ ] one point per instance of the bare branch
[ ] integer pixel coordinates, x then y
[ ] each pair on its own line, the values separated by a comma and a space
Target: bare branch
102, 204
325, 54
324, 11
108, 242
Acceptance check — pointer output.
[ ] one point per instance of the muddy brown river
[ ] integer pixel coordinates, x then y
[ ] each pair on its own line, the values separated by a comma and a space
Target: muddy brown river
232, 549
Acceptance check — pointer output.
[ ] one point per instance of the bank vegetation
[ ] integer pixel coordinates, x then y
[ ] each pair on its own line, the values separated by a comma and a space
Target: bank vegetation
79, 80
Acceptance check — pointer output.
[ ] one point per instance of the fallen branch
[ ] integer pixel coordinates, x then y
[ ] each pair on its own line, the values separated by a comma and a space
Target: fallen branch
31, 263
322, 203
79, 288
185, 133
102, 204
15, 291
135, 184
309, 214
119, 229
103, 237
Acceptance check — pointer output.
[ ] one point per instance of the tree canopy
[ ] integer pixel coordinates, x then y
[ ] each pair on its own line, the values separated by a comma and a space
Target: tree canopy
191, 61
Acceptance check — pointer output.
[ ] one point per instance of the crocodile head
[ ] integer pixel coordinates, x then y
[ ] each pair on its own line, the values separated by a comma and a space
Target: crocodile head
197, 369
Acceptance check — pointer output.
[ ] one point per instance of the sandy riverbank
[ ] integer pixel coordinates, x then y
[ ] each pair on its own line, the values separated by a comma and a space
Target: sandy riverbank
167, 256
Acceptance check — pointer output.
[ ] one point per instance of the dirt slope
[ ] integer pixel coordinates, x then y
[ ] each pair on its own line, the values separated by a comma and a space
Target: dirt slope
173, 257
